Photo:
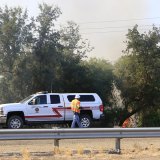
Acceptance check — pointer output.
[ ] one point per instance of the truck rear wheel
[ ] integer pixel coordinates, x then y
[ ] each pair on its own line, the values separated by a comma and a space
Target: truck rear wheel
15, 122
86, 121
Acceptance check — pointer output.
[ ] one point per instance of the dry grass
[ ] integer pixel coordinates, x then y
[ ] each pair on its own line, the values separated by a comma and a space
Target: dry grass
26, 154
97, 149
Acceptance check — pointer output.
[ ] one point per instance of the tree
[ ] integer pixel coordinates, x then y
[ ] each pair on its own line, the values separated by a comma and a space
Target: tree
15, 38
73, 73
45, 52
137, 73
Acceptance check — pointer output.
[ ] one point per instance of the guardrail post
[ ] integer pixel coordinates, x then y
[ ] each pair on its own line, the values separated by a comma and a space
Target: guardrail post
117, 145
56, 142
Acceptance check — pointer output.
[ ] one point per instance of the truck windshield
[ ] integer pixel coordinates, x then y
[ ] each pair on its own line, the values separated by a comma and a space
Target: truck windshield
26, 99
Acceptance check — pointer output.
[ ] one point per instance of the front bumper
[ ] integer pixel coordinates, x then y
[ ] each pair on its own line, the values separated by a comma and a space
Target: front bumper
3, 119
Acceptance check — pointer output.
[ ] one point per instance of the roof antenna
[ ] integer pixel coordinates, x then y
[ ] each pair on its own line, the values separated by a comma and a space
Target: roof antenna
51, 87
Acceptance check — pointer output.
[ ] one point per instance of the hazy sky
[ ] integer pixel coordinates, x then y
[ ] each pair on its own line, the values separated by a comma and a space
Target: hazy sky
103, 22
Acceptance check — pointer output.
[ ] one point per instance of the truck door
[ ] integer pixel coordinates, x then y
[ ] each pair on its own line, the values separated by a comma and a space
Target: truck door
56, 107
45, 108
37, 109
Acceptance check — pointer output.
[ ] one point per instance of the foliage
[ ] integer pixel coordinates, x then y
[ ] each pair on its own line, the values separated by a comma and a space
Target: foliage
100, 78
45, 49
150, 118
72, 72
137, 73
15, 42
113, 116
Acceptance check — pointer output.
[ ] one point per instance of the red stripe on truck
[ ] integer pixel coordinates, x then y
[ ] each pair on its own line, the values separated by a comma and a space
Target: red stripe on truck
43, 116
57, 113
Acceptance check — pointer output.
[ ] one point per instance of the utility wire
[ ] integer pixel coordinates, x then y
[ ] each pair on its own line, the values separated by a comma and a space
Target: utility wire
106, 32
121, 20
115, 27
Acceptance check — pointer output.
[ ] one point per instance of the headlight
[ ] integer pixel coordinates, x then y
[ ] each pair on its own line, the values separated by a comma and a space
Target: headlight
1, 110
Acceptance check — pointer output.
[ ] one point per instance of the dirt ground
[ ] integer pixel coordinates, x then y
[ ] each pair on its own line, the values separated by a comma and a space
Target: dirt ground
83, 149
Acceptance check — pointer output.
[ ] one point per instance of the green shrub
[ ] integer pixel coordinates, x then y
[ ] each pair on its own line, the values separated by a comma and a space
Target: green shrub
150, 118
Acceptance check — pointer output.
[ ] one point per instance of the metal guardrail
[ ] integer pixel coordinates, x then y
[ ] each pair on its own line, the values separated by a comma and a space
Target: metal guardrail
79, 133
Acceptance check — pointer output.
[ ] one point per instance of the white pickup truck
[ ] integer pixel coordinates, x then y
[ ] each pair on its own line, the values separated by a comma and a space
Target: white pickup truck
44, 107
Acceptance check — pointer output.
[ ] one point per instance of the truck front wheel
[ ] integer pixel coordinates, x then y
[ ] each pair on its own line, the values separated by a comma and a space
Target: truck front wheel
15, 122
86, 121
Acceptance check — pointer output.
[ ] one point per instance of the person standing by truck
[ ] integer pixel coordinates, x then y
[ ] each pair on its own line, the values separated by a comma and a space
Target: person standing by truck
75, 107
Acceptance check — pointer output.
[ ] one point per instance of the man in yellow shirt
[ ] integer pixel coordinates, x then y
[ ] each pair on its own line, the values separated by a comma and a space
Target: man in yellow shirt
75, 107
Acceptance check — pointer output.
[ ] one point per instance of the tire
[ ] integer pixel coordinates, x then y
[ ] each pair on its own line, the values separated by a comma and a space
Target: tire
86, 121
15, 122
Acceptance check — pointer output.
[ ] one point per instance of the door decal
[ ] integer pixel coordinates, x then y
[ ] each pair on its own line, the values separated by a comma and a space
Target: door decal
55, 110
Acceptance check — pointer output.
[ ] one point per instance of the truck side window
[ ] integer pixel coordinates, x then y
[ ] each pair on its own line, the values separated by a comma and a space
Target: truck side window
42, 99
70, 97
87, 98
55, 99
83, 98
